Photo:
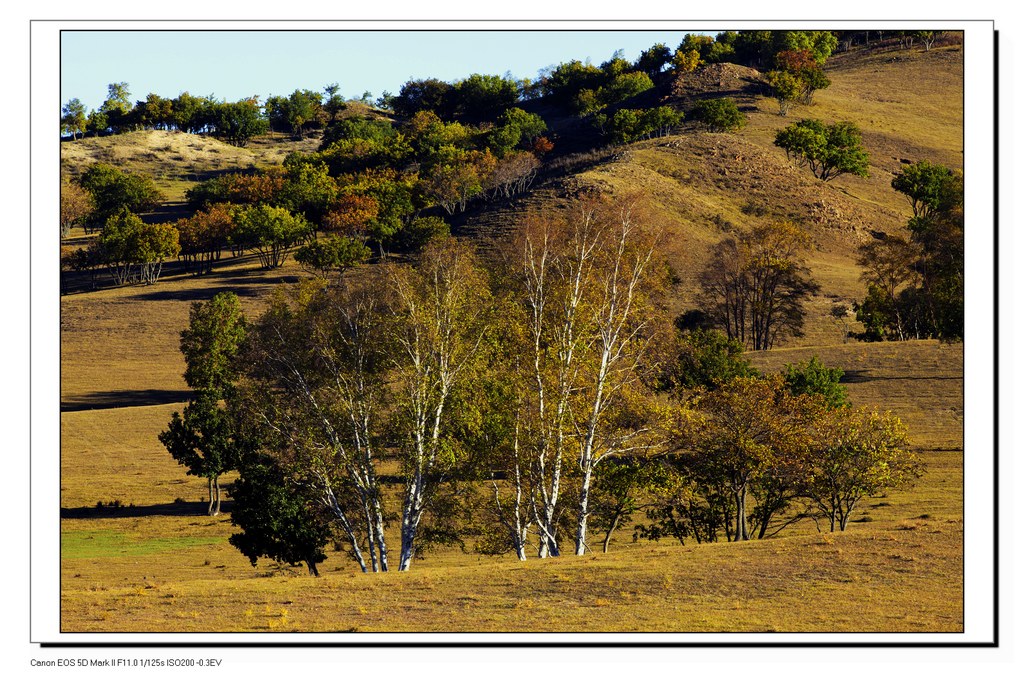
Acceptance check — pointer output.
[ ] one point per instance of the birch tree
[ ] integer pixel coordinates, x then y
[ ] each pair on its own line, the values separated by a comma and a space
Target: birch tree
437, 319
316, 380
586, 283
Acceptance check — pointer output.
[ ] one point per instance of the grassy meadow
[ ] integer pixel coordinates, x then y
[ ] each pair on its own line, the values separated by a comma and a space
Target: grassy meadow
138, 552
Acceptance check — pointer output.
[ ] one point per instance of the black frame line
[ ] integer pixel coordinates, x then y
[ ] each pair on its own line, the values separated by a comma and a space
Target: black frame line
776, 25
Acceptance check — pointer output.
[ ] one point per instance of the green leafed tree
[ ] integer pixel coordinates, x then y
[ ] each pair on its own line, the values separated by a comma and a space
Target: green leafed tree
205, 437
269, 231
202, 439
130, 247
239, 122
720, 115
705, 358
276, 515
114, 190
334, 254
786, 89
815, 378
930, 188
73, 118
829, 150
211, 343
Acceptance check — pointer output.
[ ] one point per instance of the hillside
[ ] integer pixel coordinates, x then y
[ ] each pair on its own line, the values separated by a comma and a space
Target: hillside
703, 184
139, 555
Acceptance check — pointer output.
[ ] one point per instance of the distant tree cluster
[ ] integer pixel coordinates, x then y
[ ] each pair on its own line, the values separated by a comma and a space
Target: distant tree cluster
235, 122
903, 40
629, 125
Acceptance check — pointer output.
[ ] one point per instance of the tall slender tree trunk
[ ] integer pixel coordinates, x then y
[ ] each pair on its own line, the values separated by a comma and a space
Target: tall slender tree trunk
611, 529
740, 494
584, 512
216, 490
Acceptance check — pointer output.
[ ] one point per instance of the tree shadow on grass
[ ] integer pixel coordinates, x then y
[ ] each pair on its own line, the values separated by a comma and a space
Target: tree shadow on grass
118, 511
197, 293
102, 400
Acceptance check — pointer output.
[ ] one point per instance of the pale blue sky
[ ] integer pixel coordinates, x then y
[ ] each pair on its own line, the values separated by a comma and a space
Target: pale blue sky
236, 64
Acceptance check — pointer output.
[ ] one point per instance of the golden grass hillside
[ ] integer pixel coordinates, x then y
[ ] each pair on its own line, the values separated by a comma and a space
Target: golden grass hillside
139, 554
702, 185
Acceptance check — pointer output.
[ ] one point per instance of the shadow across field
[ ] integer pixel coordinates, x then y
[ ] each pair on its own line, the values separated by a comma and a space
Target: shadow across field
123, 511
196, 294
858, 376
102, 400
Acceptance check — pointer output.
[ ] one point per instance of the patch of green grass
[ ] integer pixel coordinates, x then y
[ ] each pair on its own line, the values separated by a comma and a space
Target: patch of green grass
97, 544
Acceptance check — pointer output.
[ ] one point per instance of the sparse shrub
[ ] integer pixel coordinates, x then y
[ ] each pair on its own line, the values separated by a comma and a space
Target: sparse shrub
753, 208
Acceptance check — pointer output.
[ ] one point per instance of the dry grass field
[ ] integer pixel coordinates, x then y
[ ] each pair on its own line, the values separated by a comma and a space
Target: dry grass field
138, 552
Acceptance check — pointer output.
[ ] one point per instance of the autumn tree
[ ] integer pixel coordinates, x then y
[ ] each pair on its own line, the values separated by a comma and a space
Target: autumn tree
397, 197
438, 311
751, 434
315, 383
857, 453
75, 206
585, 283
203, 236
686, 61
514, 173
802, 65
829, 150
755, 285
350, 215
889, 271
459, 177
786, 89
